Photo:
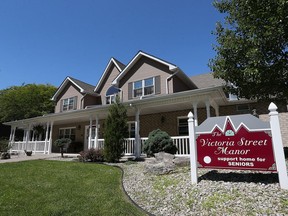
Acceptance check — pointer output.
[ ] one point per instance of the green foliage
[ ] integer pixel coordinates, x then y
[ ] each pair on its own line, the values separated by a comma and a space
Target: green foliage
159, 141
62, 143
116, 130
4, 145
92, 155
252, 50
27, 101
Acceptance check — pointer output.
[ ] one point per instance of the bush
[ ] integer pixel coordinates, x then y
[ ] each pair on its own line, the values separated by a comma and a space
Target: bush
92, 155
159, 141
4, 145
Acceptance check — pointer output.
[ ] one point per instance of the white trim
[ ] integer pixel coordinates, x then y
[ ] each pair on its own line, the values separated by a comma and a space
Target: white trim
112, 60
64, 83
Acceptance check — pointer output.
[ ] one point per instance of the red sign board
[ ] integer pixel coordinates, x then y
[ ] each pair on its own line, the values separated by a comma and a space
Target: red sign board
235, 149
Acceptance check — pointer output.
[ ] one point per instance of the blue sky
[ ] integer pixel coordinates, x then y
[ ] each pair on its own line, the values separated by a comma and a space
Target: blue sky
43, 41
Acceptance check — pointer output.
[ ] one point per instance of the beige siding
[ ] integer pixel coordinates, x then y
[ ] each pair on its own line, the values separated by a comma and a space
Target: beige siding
178, 85
143, 69
91, 100
111, 74
68, 92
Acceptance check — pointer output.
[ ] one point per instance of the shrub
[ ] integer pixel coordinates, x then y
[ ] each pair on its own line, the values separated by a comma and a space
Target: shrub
4, 145
92, 155
159, 141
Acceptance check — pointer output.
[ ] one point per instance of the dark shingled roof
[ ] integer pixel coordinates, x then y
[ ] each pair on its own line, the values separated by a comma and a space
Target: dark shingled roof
120, 64
206, 80
89, 89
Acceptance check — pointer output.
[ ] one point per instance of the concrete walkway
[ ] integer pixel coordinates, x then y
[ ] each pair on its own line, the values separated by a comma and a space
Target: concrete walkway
24, 157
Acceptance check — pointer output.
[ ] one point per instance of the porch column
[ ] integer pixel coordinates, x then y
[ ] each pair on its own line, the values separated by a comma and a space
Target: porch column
14, 132
215, 106
207, 108
90, 133
96, 133
27, 136
11, 132
137, 149
46, 138
50, 138
195, 112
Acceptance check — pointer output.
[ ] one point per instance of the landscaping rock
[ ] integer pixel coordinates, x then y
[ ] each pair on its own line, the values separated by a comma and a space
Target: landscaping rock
163, 156
161, 164
182, 161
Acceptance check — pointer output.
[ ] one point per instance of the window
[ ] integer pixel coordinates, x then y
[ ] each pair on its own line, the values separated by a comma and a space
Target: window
69, 104
144, 87
182, 126
111, 94
67, 133
131, 129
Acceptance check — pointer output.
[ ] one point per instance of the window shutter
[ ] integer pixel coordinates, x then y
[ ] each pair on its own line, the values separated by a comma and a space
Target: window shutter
157, 85
61, 105
130, 89
75, 103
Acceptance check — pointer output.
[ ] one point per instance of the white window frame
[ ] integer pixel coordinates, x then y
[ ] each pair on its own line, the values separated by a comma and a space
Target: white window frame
130, 123
143, 87
69, 134
69, 104
111, 98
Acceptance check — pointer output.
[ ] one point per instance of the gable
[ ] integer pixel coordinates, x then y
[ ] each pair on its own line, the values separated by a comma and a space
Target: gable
112, 70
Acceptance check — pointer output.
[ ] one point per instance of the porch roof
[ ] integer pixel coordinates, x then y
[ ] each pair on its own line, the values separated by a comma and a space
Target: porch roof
148, 105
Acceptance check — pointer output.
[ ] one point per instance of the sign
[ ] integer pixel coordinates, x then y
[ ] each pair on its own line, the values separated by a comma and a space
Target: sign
235, 148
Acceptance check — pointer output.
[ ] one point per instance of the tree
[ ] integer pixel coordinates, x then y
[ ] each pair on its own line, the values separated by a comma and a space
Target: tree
252, 50
62, 143
27, 101
116, 130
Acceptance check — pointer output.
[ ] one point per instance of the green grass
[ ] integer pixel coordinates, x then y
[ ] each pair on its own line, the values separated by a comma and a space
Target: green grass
62, 188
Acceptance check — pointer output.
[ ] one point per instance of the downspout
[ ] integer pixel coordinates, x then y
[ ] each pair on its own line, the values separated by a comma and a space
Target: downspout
168, 78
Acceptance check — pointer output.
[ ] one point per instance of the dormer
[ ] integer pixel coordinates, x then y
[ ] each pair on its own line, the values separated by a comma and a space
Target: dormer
105, 88
147, 76
74, 94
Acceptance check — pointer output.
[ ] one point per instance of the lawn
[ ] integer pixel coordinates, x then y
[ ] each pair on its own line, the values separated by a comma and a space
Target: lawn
62, 188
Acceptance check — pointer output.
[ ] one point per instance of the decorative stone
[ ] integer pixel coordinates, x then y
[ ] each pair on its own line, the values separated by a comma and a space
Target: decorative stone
181, 161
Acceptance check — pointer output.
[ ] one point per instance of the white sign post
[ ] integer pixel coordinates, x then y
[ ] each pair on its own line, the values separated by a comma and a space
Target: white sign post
193, 149
278, 147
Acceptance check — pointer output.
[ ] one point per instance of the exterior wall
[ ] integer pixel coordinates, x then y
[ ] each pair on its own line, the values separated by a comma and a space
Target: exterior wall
91, 100
178, 85
69, 91
167, 121
143, 69
111, 74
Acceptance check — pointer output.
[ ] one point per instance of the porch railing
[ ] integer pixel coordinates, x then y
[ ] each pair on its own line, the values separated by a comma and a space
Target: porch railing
182, 143
34, 146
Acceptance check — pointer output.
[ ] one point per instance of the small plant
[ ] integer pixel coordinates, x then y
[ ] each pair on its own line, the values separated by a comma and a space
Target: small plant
62, 143
92, 155
28, 153
4, 147
159, 141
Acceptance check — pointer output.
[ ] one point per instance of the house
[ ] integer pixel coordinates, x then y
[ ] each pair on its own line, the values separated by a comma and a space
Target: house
157, 94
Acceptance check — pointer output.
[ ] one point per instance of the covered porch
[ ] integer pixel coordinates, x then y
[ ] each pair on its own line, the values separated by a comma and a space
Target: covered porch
147, 114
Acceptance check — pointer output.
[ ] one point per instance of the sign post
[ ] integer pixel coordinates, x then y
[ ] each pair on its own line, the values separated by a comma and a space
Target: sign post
278, 147
193, 149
